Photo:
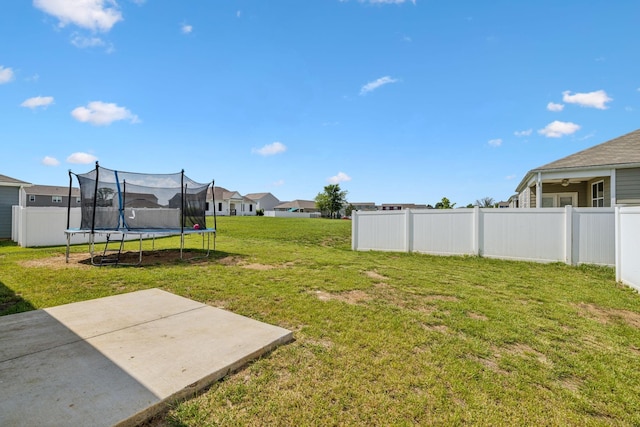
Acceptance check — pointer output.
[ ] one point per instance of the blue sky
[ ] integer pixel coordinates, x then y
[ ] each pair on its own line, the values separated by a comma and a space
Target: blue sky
397, 101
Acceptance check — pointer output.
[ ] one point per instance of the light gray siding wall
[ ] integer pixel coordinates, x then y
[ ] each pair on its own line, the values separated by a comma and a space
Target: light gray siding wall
627, 184
268, 202
8, 197
42, 200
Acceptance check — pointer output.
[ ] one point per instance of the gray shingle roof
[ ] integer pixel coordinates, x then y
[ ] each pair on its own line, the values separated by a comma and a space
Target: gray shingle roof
622, 150
256, 196
300, 204
8, 180
52, 190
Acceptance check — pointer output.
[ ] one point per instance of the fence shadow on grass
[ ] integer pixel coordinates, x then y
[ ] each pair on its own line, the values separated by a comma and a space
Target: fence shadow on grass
11, 303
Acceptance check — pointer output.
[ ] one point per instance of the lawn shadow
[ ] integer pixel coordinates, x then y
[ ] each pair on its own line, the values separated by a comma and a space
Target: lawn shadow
11, 302
5, 243
156, 258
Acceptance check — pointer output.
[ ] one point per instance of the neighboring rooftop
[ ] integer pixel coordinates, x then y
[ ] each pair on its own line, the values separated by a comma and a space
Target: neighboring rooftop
297, 204
52, 190
8, 180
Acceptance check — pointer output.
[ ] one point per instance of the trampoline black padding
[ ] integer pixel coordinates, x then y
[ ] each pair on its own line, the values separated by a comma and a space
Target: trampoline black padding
117, 206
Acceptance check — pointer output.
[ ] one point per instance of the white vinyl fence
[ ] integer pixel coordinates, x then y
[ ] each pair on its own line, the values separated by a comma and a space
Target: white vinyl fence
570, 235
287, 214
628, 246
44, 226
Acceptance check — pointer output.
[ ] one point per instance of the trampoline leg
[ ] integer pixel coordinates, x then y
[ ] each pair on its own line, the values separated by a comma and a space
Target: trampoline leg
140, 257
68, 243
181, 244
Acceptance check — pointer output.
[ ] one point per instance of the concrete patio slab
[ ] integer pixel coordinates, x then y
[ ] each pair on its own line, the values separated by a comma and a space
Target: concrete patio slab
118, 360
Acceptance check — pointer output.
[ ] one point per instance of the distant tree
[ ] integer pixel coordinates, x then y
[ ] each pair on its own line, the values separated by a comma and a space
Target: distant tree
445, 204
470, 205
349, 210
486, 202
104, 196
331, 201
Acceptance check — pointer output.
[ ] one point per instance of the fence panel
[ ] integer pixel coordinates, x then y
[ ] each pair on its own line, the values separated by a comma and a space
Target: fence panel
44, 226
380, 231
523, 234
443, 232
593, 236
628, 246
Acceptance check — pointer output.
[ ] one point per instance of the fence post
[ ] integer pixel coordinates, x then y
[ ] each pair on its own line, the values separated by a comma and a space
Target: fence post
617, 245
354, 230
568, 234
408, 240
477, 235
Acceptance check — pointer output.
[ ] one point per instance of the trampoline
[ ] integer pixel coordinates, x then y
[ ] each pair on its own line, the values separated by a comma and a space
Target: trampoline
118, 206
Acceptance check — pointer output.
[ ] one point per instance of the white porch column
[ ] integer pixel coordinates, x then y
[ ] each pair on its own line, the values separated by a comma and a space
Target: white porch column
612, 184
539, 190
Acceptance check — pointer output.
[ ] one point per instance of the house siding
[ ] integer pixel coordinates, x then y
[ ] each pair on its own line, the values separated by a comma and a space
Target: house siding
9, 196
627, 184
42, 200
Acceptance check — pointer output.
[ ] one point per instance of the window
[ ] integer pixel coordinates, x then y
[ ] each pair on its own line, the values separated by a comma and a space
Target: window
207, 207
32, 198
548, 201
597, 194
78, 200
559, 200
250, 208
220, 207
56, 199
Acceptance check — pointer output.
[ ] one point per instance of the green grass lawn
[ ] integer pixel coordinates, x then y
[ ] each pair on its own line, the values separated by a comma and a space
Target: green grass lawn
381, 338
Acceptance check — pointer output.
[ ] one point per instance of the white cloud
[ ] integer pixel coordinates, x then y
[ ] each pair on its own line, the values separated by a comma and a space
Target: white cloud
596, 99
510, 177
96, 15
270, 149
340, 177
495, 142
552, 106
371, 86
82, 158
83, 42
557, 129
520, 133
238, 14
50, 161
38, 101
101, 113
278, 183
186, 29
6, 74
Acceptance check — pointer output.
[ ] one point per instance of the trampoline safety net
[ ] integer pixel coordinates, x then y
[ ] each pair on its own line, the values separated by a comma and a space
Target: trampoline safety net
116, 200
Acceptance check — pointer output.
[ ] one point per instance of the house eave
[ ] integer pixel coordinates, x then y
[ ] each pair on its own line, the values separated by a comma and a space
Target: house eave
573, 172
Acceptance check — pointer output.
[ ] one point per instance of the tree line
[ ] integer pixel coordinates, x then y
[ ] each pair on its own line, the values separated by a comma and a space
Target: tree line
332, 202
